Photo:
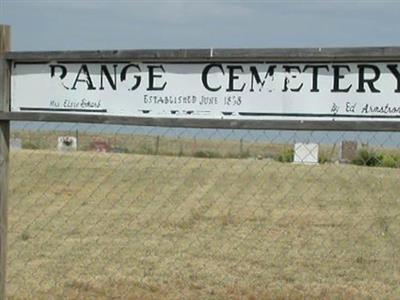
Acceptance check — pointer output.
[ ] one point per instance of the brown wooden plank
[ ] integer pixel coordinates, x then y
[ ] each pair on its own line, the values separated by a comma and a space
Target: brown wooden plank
207, 123
4, 153
182, 55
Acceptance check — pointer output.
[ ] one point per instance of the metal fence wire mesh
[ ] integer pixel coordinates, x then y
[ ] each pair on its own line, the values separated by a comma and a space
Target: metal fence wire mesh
128, 212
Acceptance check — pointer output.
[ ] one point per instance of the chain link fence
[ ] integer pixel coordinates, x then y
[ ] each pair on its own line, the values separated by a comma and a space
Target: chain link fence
130, 212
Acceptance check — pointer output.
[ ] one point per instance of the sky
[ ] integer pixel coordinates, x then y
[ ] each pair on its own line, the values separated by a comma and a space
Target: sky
133, 24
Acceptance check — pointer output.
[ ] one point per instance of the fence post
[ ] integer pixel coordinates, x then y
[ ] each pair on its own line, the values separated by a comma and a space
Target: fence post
157, 145
4, 152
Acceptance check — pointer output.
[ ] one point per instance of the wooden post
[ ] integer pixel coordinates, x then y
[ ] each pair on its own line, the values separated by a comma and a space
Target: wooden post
77, 139
157, 145
4, 152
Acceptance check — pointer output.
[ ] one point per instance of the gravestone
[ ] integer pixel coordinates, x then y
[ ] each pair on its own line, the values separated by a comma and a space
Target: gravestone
66, 143
348, 151
306, 153
100, 146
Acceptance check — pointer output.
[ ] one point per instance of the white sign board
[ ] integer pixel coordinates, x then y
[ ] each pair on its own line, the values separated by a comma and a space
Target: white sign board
305, 153
299, 91
67, 143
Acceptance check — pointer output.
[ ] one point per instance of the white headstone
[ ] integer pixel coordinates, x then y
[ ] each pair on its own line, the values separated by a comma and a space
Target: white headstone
306, 153
15, 143
66, 143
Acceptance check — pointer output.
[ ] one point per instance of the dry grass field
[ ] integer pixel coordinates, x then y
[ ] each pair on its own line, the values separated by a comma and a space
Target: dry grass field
88, 225
164, 145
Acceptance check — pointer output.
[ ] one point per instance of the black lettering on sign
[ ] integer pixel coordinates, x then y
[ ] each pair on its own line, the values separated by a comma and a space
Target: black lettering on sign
104, 72
315, 74
256, 76
370, 82
137, 78
336, 78
289, 70
396, 73
233, 77
204, 76
86, 78
152, 77
62, 74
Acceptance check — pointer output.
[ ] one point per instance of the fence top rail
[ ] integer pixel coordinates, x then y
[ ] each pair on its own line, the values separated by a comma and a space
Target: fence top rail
190, 55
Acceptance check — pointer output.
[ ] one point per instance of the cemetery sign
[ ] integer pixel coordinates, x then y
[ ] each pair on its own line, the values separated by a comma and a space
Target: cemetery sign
211, 89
